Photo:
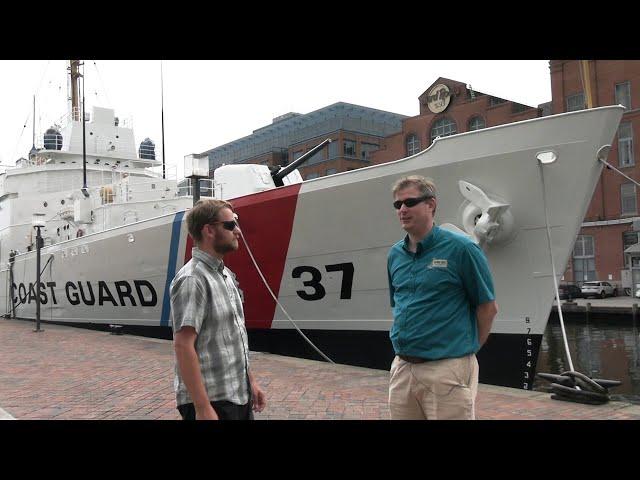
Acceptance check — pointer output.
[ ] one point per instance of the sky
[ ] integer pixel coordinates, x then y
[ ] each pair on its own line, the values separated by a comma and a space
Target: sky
208, 103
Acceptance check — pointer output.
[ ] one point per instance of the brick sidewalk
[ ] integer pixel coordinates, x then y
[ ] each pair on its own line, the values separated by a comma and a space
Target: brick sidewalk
73, 373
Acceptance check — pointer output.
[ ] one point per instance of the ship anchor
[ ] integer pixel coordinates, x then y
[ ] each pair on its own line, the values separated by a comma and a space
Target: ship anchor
486, 220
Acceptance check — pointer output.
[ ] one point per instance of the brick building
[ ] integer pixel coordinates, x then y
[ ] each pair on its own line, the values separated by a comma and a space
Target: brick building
448, 107
608, 227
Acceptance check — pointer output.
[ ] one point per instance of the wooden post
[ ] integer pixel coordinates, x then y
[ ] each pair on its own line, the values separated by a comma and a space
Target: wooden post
634, 311
588, 310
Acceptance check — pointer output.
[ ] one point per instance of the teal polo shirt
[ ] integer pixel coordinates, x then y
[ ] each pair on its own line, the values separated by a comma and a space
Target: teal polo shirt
434, 294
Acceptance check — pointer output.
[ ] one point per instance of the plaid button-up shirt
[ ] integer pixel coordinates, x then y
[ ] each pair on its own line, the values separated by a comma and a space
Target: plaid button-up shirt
204, 296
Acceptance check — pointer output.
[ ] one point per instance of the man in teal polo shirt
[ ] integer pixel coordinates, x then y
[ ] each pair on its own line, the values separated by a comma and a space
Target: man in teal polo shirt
443, 306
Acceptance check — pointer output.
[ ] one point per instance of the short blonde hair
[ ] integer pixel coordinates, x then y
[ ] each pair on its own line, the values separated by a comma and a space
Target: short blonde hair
424, 185
203, 213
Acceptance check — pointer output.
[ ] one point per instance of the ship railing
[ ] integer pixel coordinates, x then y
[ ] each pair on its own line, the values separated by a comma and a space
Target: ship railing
76, 115
133, 188
125, 122
105, 177
206, 188
170, 171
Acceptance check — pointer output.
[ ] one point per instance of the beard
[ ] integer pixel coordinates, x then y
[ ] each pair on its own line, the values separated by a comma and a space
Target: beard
226, 246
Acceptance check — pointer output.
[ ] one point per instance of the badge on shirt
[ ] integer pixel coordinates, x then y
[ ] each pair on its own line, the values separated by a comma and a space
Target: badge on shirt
438, 263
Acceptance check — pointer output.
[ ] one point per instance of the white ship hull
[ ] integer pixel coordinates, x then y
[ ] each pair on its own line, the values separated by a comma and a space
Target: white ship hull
323, 244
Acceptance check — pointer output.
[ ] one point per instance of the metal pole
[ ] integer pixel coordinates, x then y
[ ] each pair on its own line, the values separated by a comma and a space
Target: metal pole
196, 190
84, 143
38, 243
12, 260
34, 123
162, 109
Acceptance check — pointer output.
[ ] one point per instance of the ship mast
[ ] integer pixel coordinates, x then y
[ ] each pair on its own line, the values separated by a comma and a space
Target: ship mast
74, 68
76, 114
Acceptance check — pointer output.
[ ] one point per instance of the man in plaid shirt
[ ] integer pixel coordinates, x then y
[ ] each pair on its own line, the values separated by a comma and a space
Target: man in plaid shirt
212, 376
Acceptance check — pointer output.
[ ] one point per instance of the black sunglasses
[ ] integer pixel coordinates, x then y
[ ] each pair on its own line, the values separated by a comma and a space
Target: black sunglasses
228, 225
410, 202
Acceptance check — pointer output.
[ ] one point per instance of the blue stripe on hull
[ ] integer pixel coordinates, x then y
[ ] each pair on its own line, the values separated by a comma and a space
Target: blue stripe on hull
171, 267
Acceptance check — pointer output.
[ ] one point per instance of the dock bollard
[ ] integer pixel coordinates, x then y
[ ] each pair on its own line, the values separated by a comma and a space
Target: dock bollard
634, 311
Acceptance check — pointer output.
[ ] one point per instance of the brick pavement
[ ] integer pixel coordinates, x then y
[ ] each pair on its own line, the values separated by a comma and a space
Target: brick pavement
72, 373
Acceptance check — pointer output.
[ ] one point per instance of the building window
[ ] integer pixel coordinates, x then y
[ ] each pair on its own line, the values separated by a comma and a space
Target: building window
443, 128
331, 171
518, 107
625, 145
496, 101
333, 149
623, 94
575, 102
628, 197
316, 158
349, 148
628, 239
584, 262
366, 149
413, 144
297, 155
311, 175
282, 159
476, 123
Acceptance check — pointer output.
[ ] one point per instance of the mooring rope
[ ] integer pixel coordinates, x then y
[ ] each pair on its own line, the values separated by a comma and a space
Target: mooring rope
553, 267
276, 299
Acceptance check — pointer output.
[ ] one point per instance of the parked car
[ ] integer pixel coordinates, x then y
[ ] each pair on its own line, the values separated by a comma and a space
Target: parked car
599, 289
568, 291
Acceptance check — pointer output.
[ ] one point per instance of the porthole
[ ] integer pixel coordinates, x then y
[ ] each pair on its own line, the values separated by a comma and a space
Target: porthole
45, 204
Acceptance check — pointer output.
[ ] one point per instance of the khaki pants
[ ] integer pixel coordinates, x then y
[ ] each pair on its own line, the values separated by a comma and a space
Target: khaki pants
438, 390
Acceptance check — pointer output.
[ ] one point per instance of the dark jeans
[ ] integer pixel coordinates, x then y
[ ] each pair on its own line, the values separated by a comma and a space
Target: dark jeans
225, 410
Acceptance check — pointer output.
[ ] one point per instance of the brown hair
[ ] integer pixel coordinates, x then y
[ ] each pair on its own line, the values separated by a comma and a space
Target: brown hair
204, 212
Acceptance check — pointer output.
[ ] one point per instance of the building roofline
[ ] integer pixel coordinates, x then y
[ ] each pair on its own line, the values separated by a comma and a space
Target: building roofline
306, 118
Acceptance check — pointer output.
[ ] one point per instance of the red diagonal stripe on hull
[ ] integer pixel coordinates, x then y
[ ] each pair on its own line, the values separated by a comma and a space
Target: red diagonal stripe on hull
266, 219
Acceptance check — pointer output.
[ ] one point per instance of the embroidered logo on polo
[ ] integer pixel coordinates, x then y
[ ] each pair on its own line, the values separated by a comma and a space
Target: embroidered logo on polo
438, 263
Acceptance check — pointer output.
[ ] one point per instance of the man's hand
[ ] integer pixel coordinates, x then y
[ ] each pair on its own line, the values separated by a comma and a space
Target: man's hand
187, 358
485, 313
207, 412
259, 398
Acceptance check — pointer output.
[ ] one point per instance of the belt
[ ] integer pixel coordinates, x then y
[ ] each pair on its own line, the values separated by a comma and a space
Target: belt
410, 359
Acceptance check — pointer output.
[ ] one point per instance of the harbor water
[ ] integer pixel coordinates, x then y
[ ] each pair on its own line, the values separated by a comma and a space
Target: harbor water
601, 347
